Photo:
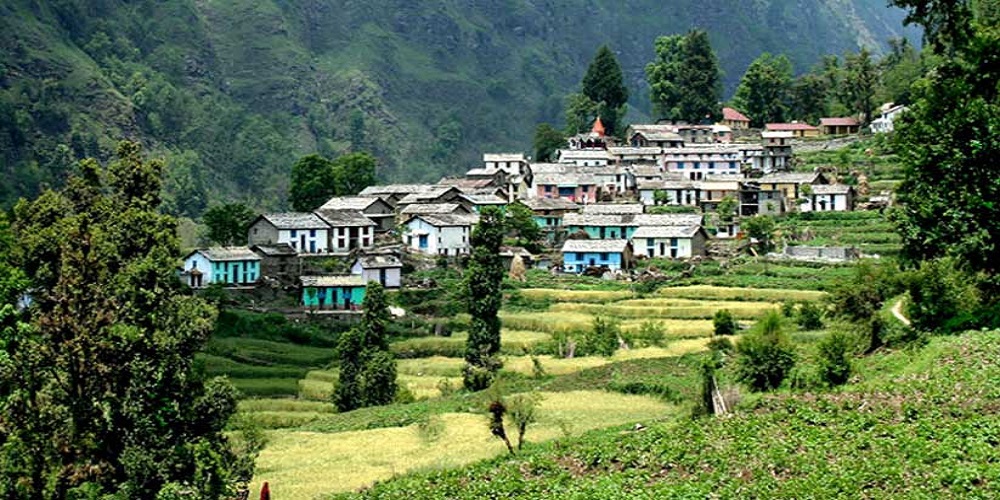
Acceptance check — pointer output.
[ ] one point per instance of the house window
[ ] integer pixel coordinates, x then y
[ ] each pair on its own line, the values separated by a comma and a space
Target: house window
548, 188
604, 256
295, 233
312, 233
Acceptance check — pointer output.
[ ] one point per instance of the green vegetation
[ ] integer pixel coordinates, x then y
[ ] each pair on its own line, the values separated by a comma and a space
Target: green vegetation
367, 374
484, 298
98, 387
604, 87
763, 90
227, 224
684, 80
315, 179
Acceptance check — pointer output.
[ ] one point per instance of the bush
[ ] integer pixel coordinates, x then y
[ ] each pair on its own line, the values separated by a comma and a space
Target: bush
835, 358
788, 308
861, 296
650, 333
603, 338
765, 356
721, 345
940, 291
724, 323
810, 316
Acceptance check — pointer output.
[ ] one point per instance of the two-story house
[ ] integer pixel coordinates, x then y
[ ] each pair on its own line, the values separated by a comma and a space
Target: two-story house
439, 234
305, 232
348, 230
578, 255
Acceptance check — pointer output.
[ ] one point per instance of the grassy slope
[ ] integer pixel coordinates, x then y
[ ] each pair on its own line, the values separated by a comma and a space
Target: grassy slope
914, 424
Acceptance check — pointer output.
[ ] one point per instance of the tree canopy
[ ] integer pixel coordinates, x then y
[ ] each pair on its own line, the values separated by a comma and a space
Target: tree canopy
684, 78
227, 224
98, 387
316, 179
367, 368
484, 297
764, 90
604, 85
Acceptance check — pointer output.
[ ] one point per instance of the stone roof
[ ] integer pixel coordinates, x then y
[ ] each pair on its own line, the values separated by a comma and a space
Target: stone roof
397, 189
484, 199
733, 115
831, 189
583, 154
379, 261
344, 218
349, 280
489, 157
632, 220
226, 254
549, 168
789, 126
585, 246
295, 220
666, 232
549, 204
464, 184
357, 203
432, 208
430, 194
448, 220
630, 151
790, 178
845, 121
275, 250
613, 208
565, 179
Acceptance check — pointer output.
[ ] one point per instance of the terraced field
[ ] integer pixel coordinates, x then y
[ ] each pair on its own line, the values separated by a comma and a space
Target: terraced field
313, 450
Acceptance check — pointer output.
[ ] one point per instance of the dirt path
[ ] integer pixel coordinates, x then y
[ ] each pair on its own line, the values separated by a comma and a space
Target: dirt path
897, 311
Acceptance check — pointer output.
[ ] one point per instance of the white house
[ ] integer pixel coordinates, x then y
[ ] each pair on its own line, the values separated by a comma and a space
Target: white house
385, 269
674, 242
348, 230
439, 234
225, 265
884, 123
373, 207
303, 231
828, 198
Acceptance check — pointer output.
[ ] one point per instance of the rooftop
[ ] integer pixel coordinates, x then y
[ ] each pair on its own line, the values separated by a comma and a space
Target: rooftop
790, 178
448, 220
344, 218
396, 189
379, 261
789, 126
295, 220
432, 208
845, 121
488, 157
733, 115
227, 254
613, 208
666, 231
831, 189
549, 204
350, 280
275, 250
594, 246
350, 203
632, 220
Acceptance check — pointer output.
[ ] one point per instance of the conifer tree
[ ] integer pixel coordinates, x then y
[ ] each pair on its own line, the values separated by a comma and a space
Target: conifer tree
483, 279
604, 85
367, 368
684, 79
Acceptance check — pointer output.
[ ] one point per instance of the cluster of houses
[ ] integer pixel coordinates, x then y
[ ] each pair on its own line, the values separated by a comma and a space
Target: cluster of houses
597, 203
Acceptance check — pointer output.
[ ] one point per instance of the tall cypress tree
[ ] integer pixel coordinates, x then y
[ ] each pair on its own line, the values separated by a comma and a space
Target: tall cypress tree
367, 368
483, 279
604, 85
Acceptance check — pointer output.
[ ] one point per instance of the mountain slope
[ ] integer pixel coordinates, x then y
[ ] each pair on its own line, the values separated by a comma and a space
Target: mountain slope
232, 91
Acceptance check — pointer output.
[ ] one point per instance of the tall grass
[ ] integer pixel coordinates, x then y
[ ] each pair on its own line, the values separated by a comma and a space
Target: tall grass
557, 295
647, 308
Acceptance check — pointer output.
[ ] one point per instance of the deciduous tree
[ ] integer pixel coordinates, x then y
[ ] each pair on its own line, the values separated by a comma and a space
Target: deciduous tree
227, 224
548, 139
764, 90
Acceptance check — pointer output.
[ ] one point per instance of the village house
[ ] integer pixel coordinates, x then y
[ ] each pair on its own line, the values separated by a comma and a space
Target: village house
613, 208
827, 198
713, 189
517, 168
438, 194
548, 212
721, 134
628, 155
372, 207
796, 128
479, 201
697, 162
672, 192
584, 157
580, 188
279, 261
578, 255
672, 242
387, 270
757, 200
658, 136
305, 232
611, 227
777, 150
839, 126
695, 134
348, 230
790, 184
433, 209
338, 292
734, 119
439, 234
887, 117
231, 266
596, 139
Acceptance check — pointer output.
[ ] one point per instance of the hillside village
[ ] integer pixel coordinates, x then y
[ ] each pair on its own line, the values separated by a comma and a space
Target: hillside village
669, 191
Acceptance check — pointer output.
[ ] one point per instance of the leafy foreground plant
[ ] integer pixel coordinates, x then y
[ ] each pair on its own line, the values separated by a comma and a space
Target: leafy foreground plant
926, 415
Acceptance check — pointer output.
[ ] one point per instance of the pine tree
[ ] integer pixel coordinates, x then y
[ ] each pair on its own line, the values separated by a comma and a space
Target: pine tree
483, 279
861, 82
604, 85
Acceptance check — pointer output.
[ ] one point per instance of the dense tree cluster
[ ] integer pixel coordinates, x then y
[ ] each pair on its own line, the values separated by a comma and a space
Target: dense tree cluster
98, 389
316, 179
227, 224
685, 80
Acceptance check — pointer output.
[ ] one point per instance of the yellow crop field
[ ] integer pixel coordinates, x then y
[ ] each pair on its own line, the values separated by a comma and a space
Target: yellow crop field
556, 295
304, 465
318, 386
438, 366
563, 366
707, 292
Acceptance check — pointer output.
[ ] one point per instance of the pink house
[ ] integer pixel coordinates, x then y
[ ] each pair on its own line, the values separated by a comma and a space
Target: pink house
580, 188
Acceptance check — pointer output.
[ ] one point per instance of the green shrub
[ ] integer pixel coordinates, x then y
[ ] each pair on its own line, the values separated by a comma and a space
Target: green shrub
940, 291
788, 308
860, 296
723, 323
765, 356
721, 345
835, 358
809, 316
650, 333
603, 338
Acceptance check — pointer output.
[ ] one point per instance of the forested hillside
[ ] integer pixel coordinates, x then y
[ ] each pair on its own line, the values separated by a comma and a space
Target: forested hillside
231, 92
